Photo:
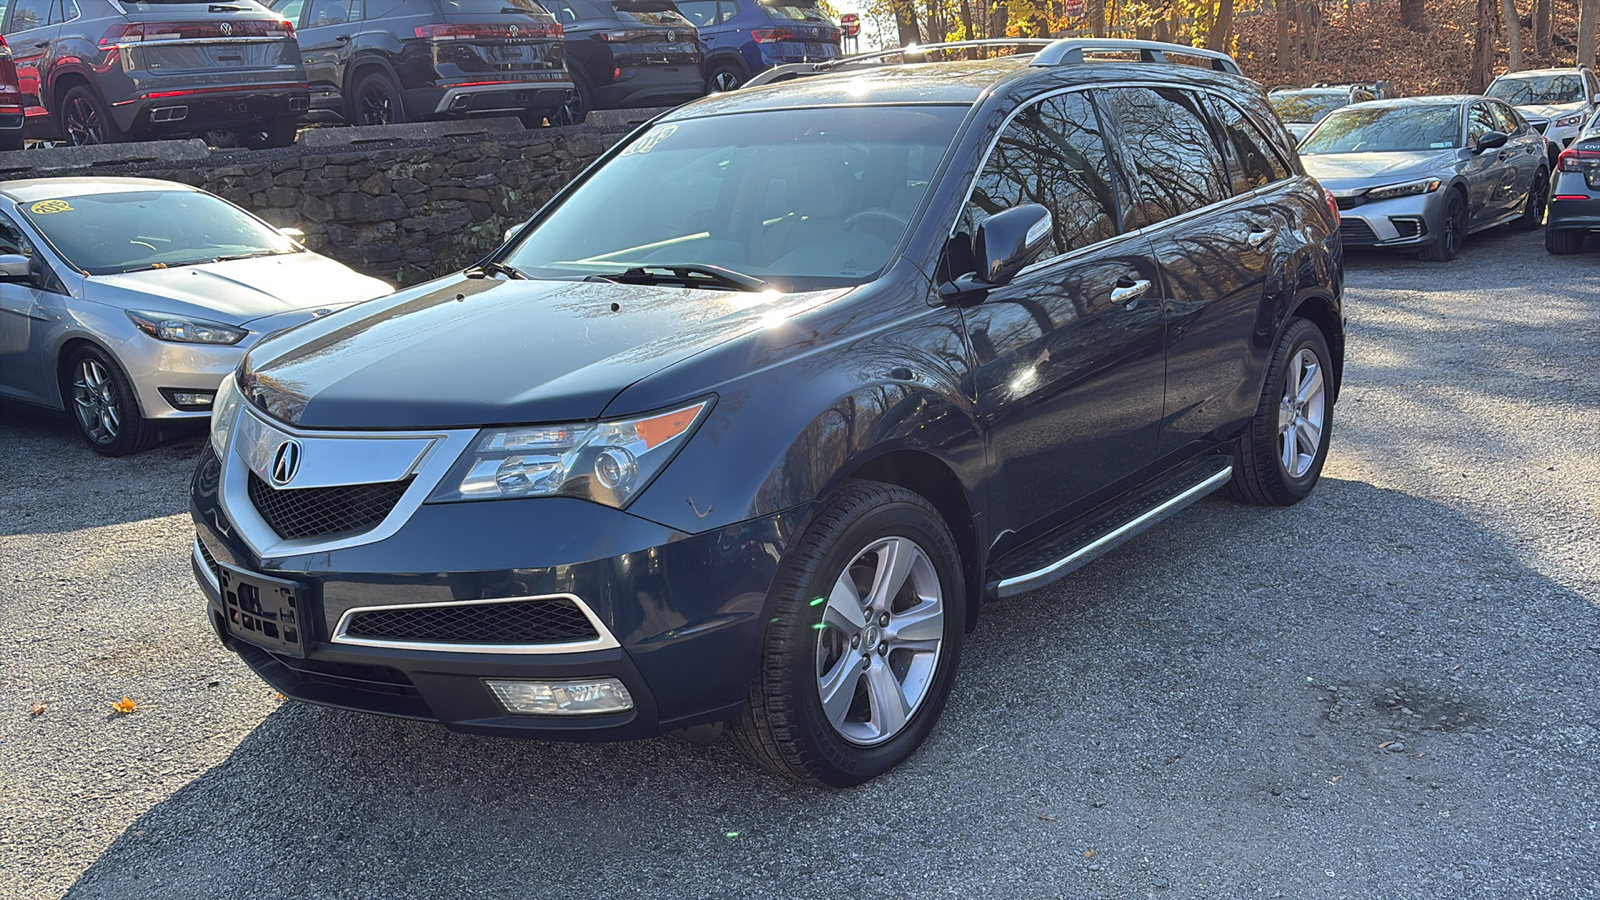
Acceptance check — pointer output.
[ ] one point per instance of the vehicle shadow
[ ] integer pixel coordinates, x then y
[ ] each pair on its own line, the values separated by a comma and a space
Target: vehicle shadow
1344, 694
51, 482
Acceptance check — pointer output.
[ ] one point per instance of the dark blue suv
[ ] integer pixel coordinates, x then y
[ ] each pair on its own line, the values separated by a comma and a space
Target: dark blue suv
746, 426
744, 37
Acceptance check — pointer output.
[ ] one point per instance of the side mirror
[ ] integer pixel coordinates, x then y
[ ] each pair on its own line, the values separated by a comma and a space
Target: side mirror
1005, 244
1489, 140
15, 267
512, 231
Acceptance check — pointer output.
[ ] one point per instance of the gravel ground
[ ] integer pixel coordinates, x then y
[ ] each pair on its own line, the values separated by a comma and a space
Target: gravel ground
1386, 691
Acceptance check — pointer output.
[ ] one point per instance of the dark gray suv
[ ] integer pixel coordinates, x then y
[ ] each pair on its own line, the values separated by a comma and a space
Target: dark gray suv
99, 71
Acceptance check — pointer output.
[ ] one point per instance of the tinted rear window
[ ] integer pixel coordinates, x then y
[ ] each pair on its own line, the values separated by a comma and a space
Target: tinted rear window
794, 11
489, 7
647, 12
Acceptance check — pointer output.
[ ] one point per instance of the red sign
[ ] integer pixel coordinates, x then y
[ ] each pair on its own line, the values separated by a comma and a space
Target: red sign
1072, 8
851, 23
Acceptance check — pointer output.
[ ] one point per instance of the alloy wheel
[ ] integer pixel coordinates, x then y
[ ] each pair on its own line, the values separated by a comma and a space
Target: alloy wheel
377, 107
83, 123
1455, 225
94, 399
1302, 414
570, 112
879, 641
725, 80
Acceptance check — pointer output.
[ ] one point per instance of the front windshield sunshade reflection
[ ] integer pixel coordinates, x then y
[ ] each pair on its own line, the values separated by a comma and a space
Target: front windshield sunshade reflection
1386, 129
803, 199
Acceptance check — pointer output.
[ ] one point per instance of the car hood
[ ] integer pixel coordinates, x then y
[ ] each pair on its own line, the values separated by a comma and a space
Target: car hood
240, 291
1551, 110
471, 352
1341, 172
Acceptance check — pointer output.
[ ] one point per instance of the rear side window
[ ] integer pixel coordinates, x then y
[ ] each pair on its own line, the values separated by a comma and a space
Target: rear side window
700, 13
1162, 136
1052, 154
331, 12
487, 7
1251, 161
27, 15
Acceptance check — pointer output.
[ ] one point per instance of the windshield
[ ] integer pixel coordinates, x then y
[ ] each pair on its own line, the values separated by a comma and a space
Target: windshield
794, 11
805, 199
1305, 108
104, 234
1539, 90
1386, 129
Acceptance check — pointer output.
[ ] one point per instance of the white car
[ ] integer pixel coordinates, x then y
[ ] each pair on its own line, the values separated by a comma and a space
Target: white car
1556, 102
127, 300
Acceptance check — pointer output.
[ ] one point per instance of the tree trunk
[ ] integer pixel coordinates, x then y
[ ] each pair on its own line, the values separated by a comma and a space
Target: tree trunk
1310, 20
999, 18
966, 25
1482, 48
1413, 15
1543, 11
1285, 52
1222, 27
905, 20
1097, 17
1508, 12
1586, 25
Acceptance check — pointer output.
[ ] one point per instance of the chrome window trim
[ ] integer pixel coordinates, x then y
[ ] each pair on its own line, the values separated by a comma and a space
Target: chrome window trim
605, 641
443, 448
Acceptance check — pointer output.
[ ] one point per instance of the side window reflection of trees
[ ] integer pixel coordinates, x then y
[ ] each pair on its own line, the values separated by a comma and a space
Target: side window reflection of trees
1165, 141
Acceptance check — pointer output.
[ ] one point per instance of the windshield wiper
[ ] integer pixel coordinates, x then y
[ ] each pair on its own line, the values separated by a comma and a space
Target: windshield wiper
484, 270
692, 275
251, 255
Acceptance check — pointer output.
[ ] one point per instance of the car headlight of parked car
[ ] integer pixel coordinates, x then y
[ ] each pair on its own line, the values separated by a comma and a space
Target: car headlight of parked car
224, 412
1426, 186
1568, 121
608, 462
184, 330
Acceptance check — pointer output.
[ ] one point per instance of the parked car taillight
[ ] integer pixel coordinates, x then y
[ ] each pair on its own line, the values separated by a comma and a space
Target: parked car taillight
771, 35
135, 33
10, 97
623, 35
478, 32
1333, 204
1572, 160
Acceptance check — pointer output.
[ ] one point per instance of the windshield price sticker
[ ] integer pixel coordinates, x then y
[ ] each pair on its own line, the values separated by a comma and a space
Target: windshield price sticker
650, 141
50, 207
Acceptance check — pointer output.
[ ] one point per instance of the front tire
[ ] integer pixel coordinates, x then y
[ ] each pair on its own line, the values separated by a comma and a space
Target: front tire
103, 405
1452, 231
1562, 243
1278, 459
1538, 195
863, 640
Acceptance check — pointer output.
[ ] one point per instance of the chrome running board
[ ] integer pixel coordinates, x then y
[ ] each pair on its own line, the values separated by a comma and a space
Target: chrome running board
1215, 476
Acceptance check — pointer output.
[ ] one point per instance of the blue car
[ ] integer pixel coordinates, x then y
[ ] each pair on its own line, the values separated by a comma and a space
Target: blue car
743, 37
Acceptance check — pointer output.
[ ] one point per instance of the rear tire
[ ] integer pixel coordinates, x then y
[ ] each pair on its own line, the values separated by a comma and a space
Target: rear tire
724, 78
282, 131
85, 119
102, 403
868, 611
1538, 195
1278, 459
577, 107
1562, 243
376, 100
1452, 231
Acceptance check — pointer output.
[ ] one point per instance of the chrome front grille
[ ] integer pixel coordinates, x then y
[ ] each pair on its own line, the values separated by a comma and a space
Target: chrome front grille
298, 514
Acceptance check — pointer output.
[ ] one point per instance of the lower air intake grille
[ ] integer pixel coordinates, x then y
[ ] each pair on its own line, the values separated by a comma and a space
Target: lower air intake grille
1356, 232
556, 620
321, 512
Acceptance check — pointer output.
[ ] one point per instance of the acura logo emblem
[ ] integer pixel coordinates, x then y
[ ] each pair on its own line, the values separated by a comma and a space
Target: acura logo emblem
285, 463
226, 28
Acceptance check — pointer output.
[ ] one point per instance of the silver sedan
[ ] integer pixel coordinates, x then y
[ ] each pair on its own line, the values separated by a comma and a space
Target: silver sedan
1424, 172
127, 300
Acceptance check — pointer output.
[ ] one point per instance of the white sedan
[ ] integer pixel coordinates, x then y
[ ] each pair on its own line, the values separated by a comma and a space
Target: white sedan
126, 300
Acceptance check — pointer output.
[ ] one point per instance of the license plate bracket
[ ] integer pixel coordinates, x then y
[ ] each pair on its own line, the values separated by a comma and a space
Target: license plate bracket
265, 611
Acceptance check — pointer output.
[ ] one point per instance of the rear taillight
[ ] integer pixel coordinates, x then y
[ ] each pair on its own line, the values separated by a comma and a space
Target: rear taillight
10, 99
1571, 160
525, 31
771, 35
126, 33
1333, 204
622, 36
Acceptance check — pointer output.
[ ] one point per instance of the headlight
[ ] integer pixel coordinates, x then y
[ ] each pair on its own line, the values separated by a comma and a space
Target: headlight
1427, 186
184, 330
1567, 121
607, 462
224, 412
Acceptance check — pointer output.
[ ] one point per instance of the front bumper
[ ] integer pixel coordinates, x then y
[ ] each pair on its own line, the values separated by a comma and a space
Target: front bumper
686, 611
1400, 222
159, 368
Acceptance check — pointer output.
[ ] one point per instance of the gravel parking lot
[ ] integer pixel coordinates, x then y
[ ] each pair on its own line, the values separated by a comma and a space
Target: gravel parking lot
1389, 690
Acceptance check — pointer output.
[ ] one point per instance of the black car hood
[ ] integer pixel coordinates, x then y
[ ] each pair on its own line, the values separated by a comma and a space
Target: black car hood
471, 352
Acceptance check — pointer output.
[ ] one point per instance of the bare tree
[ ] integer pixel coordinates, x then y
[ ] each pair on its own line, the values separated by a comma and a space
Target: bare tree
1097, 17
1508, 12
1543, 14
1483, 42
1586, 24
1413, 15
1285, 52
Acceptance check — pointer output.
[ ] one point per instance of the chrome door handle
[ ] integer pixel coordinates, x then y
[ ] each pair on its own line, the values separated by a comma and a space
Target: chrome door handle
1258, 237
1128, 295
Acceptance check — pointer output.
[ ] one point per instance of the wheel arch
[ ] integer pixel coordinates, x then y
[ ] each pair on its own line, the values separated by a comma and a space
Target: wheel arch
724, 56
62, 81
360, 65
63, 362
1321, 311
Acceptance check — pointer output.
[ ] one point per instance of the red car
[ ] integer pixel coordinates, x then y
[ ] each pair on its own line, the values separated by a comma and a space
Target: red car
11, 118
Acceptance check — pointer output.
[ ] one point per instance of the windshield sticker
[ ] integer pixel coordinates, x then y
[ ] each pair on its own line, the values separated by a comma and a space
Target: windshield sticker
50, 207
1440, 145
650, 141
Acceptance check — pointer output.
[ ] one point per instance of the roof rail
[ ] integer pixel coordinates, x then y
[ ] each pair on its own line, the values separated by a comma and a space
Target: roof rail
1070, 51
878, 57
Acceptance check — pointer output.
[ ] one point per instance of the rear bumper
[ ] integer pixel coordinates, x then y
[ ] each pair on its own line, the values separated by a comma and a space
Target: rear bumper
651, 86
483, 97
686, 611
180, 110
1574, 215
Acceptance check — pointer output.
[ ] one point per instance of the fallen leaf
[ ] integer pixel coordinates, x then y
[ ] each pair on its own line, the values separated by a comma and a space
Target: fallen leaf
1385, 745
1335, 779
1045, 818
1422, 754
1089, 853
37, 710
277, 696
124, 706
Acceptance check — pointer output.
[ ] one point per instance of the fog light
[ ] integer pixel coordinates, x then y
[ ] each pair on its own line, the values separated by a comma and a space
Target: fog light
562, 698
189, 401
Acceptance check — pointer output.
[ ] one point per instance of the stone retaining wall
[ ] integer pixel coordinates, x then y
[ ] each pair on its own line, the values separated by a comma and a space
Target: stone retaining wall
403, 203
